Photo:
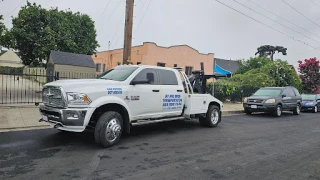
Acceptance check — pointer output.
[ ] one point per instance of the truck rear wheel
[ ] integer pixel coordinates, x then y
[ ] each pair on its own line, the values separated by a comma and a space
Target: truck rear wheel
212, 118
108, 129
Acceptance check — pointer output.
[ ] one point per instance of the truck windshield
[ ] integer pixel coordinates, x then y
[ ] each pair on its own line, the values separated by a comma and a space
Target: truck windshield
119, 73
308, 97
268, 92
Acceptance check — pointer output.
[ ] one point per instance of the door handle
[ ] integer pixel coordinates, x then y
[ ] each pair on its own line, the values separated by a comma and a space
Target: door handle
156, 90
179, 90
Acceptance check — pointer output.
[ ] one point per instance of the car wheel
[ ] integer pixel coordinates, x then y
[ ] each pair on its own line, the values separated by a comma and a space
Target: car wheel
213, 117
247, 112
315, 110
108, 129
297, 110
278, 111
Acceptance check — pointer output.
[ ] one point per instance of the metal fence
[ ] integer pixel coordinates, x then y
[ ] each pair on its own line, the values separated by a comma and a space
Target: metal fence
18, 86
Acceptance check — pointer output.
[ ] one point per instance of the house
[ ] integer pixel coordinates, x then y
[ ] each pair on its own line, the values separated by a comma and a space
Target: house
225, 67
10, 59
70, 65
150, 53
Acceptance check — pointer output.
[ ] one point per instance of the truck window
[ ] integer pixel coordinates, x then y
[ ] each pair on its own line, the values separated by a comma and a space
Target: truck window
119, 73
167, 77
147, 74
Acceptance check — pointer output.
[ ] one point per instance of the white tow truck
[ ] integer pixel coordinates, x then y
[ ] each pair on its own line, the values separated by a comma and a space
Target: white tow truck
125, 96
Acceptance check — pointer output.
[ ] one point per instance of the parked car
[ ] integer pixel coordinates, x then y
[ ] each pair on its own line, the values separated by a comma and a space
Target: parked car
274, 100
310, 102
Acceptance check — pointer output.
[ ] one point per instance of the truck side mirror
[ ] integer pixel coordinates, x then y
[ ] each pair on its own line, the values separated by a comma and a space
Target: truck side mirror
283, 95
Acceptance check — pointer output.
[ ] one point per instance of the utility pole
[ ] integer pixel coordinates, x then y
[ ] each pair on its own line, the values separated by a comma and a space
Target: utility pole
128, 32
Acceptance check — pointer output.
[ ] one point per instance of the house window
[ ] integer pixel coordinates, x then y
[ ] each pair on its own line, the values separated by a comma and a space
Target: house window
98, 67
161, 64
104, 68
138, 63
175, 65
189, 70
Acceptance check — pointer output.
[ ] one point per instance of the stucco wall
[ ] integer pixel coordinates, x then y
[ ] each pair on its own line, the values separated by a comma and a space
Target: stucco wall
151, 54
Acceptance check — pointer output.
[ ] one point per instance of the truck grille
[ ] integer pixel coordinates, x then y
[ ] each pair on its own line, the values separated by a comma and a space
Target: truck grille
52, 96
255, 101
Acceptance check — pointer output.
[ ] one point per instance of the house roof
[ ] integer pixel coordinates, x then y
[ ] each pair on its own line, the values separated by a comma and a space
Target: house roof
229, 65
66, 58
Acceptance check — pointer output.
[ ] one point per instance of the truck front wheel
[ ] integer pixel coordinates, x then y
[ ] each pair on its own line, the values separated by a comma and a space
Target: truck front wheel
108, 129
212, 118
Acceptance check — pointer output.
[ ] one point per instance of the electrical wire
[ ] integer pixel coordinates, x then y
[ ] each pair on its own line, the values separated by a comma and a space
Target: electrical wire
14, 8
314, 3
283, 18
114, 10
142, 16
275, 21
300, 13
291, 37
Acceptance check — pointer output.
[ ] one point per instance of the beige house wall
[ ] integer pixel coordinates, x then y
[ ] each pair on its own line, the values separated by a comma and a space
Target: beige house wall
151, 54
75, 71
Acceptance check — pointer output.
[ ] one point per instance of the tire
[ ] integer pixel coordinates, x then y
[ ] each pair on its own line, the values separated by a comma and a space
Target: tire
278, 111
297, 110
213, 117
247, 112
109, 129
315, 110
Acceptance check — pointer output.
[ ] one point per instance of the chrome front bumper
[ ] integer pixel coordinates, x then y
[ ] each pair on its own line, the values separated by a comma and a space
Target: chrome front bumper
70, 119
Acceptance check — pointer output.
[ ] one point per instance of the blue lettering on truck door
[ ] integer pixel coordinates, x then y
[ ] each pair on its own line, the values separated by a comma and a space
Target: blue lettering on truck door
172, 102
114, 90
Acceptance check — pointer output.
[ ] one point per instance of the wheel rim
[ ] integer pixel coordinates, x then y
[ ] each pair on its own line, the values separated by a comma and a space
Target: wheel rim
215, 116
113, 130
278, 110
298, 109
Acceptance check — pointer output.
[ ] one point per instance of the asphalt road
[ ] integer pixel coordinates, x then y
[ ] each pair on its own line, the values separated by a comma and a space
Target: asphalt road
241, 147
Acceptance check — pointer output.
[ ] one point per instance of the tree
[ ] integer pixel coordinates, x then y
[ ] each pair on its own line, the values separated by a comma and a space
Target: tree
310, 74
268, 50
36, 31
252, 63
2, 29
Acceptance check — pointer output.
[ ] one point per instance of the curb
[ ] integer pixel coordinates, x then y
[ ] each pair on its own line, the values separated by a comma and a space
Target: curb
23, 128
232, 112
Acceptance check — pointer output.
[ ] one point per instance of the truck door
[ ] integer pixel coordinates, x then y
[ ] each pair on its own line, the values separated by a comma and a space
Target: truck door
172, 93
144, 100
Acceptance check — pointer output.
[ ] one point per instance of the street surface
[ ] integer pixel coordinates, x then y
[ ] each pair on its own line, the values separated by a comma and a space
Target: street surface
241, 147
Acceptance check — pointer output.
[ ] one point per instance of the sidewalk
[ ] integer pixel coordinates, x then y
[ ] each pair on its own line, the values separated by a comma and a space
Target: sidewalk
15, 117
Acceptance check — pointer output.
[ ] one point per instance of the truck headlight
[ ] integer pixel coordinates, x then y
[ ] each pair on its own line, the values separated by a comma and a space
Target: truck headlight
245, 100
271, 101
78, 98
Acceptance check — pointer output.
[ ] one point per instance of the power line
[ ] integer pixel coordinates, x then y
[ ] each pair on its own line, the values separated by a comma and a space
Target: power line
300, 13
114, 10
315, 3
143, 16
15, 8
114, 35
291, 37
275, 21
283, 18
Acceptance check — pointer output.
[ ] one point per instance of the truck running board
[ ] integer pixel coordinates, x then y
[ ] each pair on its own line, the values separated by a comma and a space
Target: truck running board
143, 122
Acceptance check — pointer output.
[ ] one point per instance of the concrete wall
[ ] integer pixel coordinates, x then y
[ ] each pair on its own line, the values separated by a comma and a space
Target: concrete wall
68, 71
151, 54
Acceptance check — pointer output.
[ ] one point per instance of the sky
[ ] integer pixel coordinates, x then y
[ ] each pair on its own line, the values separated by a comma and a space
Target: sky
232, 30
